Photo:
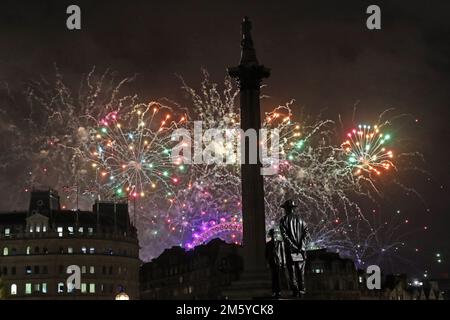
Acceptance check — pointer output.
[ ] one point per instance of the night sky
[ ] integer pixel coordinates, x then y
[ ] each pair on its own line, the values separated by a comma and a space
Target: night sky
320, 52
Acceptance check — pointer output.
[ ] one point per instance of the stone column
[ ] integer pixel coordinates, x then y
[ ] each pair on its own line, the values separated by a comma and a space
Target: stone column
249, 74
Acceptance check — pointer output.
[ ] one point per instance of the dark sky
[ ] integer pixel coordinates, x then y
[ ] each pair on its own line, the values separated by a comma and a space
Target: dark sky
320, 53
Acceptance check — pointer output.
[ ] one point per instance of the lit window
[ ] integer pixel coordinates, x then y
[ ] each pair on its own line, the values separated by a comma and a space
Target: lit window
91, 269
44, 287
70, 287
7, 232
37, 287
13, 289
83, 288
83, 249
91, 287
60, 231
360, 279
90, 230
31, 229
28, 270
80, 229
83, 269
28, 250
28, 288
5, 251
69, 250
91, 250
38, 228
61, 287
70, 229
44, 228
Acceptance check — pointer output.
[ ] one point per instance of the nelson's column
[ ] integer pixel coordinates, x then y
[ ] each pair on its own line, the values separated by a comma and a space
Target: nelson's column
249, 73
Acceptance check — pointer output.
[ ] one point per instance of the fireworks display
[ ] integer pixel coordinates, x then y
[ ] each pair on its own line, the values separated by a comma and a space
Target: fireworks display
131, 154
366, 149
99, 144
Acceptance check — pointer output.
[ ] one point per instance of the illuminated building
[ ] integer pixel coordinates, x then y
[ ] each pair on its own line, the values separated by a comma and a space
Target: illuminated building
38, 245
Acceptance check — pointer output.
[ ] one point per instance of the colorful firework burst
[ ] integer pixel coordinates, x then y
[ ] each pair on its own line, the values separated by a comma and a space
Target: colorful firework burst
132, 151
366, 149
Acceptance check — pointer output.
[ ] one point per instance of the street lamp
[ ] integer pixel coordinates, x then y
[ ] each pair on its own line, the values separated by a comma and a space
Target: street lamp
122, 295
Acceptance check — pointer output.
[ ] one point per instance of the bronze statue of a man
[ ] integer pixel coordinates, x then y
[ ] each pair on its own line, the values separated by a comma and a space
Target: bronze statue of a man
275, 257
294, 232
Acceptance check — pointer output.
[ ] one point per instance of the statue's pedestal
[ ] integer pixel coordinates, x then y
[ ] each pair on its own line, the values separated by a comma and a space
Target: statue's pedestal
256, 284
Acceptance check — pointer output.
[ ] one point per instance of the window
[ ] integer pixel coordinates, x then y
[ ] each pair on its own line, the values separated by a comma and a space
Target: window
83, 269
110, 270
80, 229
83, 249
44, 270
60, 231
90, 230
5, 271
44, 228
45, 250
31, 229
13, 289
37, 287
91, 287
91, 250
44, 287
69, 250
5, 251
28, 250
71, 288
91, 269
13, 270
36, 269
7, 232
28, 270
83, 288
38, 228
70, 229
13, 251
104, 269
318, 270
36, 249
61, 287
61, 250
28, 288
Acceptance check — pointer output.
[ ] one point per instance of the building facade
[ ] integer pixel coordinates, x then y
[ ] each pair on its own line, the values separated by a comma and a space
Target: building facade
37, 247
200, 273
207, 271
330, 276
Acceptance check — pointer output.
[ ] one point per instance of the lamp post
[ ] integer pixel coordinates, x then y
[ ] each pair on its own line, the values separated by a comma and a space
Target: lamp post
122, 295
